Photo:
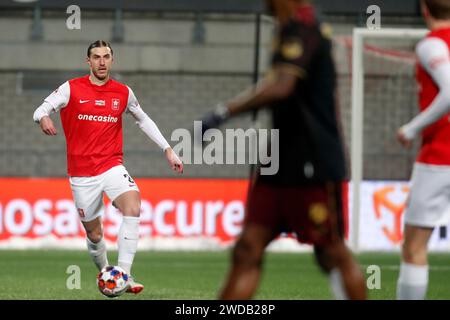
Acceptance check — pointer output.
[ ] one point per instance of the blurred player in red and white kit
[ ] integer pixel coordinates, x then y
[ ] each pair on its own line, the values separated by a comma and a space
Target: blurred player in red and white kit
429, 200
91, 109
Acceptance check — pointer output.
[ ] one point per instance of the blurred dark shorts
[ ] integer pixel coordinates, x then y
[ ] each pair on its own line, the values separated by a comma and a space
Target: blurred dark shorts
314, 213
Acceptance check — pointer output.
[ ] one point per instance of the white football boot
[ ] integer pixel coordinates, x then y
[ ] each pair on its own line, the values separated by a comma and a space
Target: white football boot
133, 286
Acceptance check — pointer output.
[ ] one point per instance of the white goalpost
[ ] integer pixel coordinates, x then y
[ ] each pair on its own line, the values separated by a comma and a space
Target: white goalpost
360, 35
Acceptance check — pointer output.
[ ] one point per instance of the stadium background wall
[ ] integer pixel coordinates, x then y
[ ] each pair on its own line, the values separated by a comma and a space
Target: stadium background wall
176, 80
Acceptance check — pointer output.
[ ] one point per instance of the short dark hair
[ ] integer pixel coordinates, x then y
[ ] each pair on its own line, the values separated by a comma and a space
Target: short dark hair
439, 9
98, 44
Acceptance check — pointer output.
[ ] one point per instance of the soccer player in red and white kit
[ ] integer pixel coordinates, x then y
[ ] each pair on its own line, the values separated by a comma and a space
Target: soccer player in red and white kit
429, 200
91, 109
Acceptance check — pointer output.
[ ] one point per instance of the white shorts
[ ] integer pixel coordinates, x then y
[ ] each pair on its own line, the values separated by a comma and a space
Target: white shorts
88, 191
429, 199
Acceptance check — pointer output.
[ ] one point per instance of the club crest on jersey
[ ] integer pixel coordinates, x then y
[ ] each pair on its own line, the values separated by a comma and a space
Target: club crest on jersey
115, 104
100, 103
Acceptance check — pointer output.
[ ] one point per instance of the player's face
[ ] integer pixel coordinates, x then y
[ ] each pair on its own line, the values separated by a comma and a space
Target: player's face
100, 62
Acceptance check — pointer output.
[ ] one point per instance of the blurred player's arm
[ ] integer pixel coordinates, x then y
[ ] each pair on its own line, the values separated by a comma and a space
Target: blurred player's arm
433, 54
149, 127
57, 100
277, 86
291, 58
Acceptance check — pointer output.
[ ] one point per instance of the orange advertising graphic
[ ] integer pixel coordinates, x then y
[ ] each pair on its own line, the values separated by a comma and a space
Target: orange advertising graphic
381, 200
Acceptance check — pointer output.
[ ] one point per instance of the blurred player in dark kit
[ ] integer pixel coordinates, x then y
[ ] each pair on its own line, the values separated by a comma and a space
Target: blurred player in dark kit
305, 195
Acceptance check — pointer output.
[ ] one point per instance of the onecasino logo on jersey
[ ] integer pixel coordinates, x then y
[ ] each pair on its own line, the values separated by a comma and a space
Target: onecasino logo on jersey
91, 117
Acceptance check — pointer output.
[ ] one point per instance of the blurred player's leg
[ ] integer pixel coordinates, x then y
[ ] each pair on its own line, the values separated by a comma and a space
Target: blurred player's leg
248, 252
346, 278
95, 242
337, 285
413, 279
336, 281
129, 204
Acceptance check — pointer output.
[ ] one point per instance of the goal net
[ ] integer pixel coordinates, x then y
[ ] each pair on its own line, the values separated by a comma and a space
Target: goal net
383, 97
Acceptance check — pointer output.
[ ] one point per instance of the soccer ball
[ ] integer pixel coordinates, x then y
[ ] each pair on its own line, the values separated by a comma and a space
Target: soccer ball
112, 281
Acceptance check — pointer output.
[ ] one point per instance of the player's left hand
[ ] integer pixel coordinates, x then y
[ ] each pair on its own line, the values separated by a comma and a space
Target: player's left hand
215, 118
175, 163
404, 141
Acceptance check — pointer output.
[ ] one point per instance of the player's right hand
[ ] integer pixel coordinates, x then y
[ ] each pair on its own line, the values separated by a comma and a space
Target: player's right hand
47, 126
175, 163
404, 141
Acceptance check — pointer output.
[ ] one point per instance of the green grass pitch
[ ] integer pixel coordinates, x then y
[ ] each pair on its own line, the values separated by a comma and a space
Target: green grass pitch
41, 274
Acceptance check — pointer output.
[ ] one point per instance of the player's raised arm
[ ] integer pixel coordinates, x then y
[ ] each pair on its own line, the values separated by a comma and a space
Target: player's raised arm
57, 100
151, 130
433, 55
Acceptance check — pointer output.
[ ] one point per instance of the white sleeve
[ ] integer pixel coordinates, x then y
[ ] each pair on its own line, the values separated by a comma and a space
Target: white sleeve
434, 56
57, 100
144, 122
